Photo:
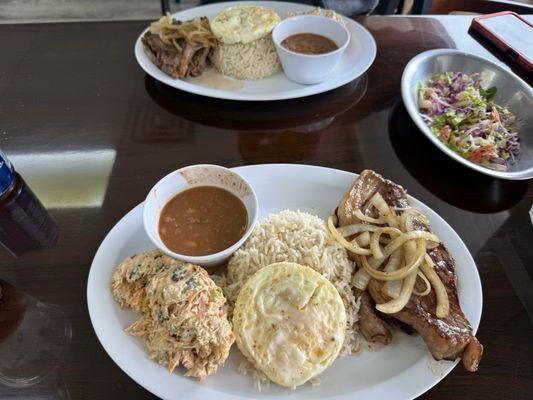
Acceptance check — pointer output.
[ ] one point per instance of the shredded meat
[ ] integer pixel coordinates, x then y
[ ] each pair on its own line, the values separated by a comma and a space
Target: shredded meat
199, 62
190, 61
186, 58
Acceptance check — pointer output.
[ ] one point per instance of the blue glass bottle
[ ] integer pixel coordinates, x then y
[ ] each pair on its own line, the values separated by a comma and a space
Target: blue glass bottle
24, 222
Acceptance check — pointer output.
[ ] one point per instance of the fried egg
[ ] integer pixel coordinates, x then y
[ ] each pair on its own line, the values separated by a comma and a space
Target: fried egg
289, 322
244, 24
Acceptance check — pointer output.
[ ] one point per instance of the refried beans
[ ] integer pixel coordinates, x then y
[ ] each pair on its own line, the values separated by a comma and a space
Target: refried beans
309, 43
202, 220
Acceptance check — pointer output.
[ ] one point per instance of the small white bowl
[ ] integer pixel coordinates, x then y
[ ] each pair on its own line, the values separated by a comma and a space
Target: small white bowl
309, 69
186, 178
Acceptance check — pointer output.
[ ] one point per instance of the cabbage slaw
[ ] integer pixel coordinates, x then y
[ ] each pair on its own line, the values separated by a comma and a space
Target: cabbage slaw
463, 116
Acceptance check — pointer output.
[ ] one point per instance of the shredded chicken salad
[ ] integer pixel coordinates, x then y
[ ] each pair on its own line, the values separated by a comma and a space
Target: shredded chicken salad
463, 116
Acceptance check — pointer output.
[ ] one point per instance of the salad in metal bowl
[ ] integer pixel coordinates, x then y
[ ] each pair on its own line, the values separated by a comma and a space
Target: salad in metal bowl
463, 116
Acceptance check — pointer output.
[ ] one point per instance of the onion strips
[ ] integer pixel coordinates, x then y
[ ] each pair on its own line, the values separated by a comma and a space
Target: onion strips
360, 279
443, 305
194, 31
397, 304
350, 246
427, 290
392, 288
363, 239
350, 230
374, 242
401, 273
392, 249
381, 205
366, 218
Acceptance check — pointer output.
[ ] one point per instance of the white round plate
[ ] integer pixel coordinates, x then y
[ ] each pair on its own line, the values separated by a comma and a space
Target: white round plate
401, 371
356, 60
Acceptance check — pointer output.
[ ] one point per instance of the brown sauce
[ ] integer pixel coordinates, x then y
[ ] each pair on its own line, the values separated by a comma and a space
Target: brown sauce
309, 43
202, 220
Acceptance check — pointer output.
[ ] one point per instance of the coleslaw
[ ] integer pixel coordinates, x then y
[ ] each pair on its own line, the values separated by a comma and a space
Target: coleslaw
463, 116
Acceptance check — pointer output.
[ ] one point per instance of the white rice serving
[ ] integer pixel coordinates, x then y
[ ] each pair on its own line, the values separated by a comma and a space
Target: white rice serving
248, 61
298, 237
301, 238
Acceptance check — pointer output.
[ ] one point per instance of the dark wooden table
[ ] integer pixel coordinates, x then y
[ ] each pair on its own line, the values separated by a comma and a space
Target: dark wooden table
92, 133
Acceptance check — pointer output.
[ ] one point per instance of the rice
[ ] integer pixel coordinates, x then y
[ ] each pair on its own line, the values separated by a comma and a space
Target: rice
301, 238
328, 13
251, 61
260, 380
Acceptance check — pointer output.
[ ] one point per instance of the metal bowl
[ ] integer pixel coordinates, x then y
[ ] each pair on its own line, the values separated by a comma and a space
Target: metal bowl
512, 92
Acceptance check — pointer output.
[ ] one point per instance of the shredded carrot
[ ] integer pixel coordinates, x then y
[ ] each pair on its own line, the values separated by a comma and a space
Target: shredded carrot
476, 155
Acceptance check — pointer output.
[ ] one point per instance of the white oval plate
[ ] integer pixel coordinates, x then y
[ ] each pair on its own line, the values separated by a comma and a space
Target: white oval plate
357, 58
402, 371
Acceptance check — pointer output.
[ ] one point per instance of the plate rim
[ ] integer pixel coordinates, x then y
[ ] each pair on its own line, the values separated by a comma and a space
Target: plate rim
304, 91
412, 110
407, 394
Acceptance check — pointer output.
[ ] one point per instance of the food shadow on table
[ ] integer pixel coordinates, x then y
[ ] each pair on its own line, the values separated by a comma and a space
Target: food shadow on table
443, 176
308, 114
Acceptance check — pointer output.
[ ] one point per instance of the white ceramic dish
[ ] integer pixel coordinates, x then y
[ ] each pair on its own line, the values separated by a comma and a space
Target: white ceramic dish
357, 58
310, 68
400, 371
186, 178
512, 92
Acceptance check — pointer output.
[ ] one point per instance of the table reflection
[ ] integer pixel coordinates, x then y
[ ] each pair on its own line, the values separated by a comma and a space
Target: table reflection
278, 147
67, 179
445, 177
297, 114
33, 338
434, 33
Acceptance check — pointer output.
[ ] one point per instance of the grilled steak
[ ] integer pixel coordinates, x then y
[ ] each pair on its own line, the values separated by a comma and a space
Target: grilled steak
191, 61
370, 325
364, 187
446, 338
